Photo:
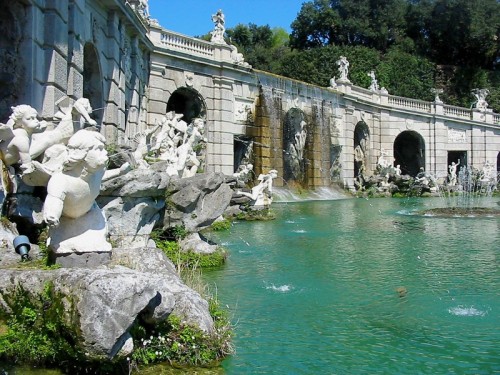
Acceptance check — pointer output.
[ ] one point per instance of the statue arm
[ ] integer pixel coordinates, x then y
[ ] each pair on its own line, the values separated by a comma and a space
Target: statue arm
81, 110
54, 202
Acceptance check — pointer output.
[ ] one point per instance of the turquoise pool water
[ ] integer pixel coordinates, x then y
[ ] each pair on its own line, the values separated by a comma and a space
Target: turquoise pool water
362, 286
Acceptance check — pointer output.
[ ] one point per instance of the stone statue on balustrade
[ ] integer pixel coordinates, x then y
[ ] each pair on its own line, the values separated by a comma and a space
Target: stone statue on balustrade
374, 83
262, 194
343, 69
219, 29
480, 95
76, 223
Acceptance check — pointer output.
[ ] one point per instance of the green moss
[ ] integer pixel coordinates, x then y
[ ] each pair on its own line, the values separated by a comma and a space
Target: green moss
181, 344
35, 332
167, 241
254, 215
221, 225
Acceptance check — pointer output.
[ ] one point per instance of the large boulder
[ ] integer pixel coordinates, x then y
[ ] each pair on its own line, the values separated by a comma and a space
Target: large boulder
102, 304
196, 202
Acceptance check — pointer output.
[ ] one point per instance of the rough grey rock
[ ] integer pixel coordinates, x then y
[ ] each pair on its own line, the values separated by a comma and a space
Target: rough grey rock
197, 201
131, 220
138, 183
109, 299
194, 243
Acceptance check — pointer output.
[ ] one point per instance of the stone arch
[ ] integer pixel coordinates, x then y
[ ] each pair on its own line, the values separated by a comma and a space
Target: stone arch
294, 145
409, 152
189, 102
361, 148
93, 81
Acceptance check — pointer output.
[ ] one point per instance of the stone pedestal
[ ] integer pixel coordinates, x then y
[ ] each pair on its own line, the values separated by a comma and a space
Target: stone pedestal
84, 236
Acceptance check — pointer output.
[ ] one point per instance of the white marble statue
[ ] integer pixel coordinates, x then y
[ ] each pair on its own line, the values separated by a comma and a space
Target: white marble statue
480, 95
15, 142
436, 93
397, 170
382, 162
489, 174
300, 140
374, 83
219, 29
452, 176
261, 194
243, 174
72, 119
76, 223
187, 160
143, 146
333, 83
343, 68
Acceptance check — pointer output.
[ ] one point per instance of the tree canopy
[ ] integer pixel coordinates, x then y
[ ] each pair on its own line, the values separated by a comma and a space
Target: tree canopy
412, 45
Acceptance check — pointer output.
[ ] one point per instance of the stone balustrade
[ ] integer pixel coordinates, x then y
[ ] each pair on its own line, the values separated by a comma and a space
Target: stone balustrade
460, 112
182, 43
420, 106
407, 103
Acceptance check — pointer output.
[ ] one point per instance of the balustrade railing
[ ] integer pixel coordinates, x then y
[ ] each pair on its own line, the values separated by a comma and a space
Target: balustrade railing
460, 112
496, 119
186, 44
414, 104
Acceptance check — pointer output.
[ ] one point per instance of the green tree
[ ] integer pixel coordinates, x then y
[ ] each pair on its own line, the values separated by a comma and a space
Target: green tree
406, 74
464, 32
371, 23
261, 46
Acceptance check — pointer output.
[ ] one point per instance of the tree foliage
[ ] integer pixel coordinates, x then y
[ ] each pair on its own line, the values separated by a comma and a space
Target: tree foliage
412, 45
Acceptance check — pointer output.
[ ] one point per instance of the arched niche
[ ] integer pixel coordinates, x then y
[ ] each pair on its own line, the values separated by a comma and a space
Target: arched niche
12, 65
188, 102
498, 163
294, 145
409, 152
361, 148
93, 81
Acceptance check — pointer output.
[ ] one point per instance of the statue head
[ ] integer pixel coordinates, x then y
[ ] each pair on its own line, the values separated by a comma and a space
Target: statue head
87, 147
24, 117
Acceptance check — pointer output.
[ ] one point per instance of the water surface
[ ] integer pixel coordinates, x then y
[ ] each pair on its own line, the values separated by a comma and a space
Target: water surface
362, 286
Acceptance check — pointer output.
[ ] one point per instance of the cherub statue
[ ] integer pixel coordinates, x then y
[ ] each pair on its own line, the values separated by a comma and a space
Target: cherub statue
76, 222
73, 118
15, 142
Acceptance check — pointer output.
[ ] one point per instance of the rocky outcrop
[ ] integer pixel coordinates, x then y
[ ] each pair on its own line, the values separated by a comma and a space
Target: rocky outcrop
102, 304
142, 199
196, 202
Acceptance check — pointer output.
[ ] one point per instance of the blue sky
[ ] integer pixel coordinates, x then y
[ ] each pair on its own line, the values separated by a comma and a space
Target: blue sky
193, 17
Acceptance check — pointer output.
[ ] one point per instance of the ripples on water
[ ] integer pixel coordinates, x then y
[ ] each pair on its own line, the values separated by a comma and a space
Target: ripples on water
317, 291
